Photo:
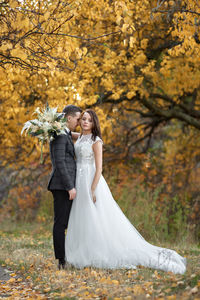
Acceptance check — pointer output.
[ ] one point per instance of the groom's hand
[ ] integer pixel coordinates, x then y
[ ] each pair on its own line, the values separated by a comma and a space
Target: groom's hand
72, 194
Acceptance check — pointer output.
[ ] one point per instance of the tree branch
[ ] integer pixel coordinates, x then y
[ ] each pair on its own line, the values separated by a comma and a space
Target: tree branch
173, 111
76, 36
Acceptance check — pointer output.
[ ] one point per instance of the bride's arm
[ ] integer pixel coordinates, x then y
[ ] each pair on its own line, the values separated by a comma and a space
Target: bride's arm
97, 148
75, 135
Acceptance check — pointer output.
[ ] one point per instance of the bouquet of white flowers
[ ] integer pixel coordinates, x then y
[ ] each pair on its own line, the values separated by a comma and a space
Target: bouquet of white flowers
48, 124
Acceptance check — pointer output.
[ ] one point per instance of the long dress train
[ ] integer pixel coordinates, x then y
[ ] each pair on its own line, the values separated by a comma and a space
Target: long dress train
99, 234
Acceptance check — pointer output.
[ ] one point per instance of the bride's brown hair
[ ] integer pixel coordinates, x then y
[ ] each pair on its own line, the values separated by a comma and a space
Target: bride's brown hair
96, 130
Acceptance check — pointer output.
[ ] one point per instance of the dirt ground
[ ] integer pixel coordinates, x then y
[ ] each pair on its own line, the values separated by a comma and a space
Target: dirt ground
4, 274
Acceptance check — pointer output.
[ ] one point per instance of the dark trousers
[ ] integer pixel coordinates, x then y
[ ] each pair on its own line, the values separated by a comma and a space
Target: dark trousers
62, 207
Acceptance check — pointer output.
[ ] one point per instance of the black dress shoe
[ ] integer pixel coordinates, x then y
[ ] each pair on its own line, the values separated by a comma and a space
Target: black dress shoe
61, 264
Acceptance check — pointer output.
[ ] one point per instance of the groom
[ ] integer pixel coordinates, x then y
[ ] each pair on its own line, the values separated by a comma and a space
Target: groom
62, 180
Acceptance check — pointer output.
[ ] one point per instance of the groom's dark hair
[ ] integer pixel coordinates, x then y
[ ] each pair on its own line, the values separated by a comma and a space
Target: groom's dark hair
71, 110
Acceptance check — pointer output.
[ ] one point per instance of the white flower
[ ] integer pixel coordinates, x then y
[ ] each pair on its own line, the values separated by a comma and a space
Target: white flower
48, 122
57, 124
37, 111
27, 125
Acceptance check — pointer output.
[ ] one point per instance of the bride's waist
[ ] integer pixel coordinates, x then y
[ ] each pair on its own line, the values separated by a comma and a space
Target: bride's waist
85, 162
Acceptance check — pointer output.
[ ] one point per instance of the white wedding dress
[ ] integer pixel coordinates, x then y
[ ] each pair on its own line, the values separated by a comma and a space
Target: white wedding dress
99, 234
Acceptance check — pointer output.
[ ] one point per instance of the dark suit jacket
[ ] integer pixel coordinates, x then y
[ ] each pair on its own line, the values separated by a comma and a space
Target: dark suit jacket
62, 154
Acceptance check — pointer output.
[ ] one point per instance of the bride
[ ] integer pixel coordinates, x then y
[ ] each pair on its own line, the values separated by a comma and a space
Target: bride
99, 234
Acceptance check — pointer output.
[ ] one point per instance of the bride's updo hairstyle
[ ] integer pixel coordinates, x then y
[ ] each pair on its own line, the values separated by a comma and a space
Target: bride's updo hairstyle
96, 130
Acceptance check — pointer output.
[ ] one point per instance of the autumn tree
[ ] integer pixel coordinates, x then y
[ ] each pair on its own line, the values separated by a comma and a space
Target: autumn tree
136, 62
152, 69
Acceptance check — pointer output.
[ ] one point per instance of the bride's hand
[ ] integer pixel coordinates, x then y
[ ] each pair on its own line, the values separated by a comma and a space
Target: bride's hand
93, 196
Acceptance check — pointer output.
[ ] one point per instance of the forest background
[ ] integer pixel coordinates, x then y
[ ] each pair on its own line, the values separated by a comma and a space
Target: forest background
137, 63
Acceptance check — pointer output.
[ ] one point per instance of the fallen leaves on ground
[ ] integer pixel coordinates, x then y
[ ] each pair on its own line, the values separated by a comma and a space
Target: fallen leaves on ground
16, 288
35, 275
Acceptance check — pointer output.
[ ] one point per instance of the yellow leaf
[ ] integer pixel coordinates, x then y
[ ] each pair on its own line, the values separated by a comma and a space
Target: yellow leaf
174, 284
131, 94
144, 43
50, 65
140, 58
125, 27
19, 53
132, 41
13, 3
118, 19
138, 290
148, 283
6, 46
84, 50
94, 273
47, 15
115, 282
172, 297
133, 28
86, 293
11, 280
79, 52
103, 279
26, 23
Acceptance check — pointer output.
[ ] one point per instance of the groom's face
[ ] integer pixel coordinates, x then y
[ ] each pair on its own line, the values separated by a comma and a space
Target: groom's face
73, 120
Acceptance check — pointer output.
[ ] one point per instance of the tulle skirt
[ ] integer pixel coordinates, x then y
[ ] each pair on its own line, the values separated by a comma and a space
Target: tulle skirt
100, 235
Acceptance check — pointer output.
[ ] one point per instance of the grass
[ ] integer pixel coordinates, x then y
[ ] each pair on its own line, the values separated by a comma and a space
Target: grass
27, 250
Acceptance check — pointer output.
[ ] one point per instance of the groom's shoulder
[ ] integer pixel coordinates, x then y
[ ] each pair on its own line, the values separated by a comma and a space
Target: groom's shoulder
61, 138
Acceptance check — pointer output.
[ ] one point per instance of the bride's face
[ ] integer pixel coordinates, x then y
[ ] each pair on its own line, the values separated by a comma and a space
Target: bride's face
86, 122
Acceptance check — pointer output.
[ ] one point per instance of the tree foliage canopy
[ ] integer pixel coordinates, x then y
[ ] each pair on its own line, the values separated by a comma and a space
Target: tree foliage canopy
135, 56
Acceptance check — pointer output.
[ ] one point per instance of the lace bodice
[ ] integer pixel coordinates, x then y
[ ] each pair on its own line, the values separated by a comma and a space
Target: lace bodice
83, 149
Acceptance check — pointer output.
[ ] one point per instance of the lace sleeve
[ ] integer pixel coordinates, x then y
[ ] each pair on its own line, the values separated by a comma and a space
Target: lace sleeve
97, 140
